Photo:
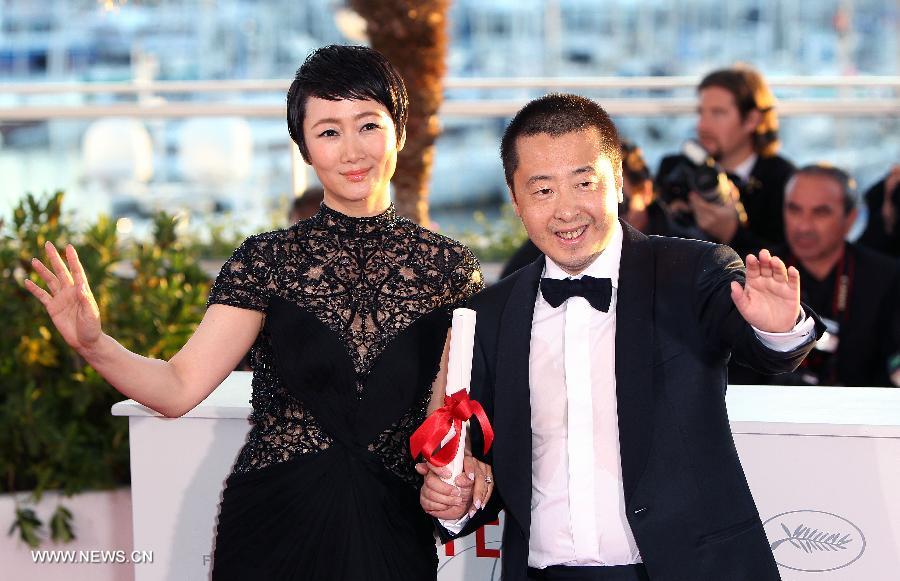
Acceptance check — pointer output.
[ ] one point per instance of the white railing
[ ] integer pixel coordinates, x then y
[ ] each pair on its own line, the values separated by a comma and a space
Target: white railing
157, 107
279, 85
857, 107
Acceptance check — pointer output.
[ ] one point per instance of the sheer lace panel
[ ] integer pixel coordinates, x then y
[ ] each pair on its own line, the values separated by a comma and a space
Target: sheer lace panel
366, 279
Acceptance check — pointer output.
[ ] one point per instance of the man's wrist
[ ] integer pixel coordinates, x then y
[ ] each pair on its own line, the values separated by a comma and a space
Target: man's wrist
455, 526
799, 335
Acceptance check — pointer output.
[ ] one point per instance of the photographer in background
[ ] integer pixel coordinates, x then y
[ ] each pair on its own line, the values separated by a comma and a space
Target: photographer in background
855, 290
738, 128
883, 201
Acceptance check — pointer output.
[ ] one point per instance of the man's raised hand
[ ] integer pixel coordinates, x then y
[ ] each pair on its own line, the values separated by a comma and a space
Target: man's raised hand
770, 297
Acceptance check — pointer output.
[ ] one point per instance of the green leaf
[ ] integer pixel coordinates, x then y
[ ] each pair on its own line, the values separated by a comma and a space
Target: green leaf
29, 527
61, 529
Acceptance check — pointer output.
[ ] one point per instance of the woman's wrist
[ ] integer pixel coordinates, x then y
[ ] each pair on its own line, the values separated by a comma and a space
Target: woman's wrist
93, 352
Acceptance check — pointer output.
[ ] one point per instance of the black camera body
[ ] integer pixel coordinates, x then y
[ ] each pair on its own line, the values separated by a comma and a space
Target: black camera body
698, 173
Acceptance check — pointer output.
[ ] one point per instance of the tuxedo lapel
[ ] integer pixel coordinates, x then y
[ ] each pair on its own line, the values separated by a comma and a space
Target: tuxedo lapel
634, 349
512, 403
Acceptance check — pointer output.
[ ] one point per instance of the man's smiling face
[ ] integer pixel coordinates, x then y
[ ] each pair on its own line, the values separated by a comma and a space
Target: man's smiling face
565, 192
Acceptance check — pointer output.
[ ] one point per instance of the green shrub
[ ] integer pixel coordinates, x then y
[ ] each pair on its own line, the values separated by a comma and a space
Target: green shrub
56, 430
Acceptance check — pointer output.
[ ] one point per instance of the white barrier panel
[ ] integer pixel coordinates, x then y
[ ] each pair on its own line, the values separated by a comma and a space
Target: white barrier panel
823, 465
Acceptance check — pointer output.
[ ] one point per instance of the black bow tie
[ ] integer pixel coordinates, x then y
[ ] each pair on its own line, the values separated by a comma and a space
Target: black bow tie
597, 291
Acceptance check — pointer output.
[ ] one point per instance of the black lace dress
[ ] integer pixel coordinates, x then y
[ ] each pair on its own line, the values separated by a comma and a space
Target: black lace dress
357, 310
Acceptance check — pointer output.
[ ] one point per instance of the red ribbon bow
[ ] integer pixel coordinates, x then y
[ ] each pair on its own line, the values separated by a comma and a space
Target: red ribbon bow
457, 409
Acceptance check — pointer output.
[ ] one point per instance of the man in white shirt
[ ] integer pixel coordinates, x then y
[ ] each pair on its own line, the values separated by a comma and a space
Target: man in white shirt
603, 370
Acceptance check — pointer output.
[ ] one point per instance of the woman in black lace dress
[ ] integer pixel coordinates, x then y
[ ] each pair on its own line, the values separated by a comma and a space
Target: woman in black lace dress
347, 314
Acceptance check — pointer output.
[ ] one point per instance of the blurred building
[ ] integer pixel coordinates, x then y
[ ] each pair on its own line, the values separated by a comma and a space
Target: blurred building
80, 41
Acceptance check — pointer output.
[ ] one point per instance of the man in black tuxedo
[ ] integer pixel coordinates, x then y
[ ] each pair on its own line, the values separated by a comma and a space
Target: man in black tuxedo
605, 379
738, 126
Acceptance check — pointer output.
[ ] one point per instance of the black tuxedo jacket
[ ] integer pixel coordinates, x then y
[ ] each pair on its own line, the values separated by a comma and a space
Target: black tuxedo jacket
687, 500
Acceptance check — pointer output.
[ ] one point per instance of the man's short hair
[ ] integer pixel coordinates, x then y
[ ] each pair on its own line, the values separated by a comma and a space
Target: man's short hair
339, 72
557, 114
836, 174
750, 92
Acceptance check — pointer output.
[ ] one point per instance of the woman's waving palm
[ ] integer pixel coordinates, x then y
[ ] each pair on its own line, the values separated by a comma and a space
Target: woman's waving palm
69, 302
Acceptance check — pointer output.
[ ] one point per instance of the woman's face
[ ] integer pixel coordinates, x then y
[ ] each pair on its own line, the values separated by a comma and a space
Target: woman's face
353, 149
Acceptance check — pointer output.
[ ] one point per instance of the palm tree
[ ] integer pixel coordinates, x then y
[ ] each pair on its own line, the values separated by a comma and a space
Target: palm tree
412, 35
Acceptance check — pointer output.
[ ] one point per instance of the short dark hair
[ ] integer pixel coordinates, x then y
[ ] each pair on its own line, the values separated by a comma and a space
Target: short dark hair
557, 114
836, 174
750, 92
337, 72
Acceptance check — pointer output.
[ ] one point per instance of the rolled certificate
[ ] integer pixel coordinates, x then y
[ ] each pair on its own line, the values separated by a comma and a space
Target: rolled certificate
459, 376
441, 438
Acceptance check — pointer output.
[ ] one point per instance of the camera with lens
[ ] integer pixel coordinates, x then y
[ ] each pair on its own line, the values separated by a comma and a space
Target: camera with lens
698, 173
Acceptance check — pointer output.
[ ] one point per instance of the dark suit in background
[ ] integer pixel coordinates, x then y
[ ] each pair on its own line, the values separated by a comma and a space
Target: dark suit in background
869, 327
762, 196
875, 235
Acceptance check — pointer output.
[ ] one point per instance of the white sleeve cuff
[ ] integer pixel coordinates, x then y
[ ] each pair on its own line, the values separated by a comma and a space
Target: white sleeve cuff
802, 333
454, 526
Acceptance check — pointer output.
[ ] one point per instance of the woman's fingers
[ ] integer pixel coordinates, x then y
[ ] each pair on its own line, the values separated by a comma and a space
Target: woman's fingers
81, 281
483, 486
39, 293
46, 275
75, 267
478, 492
489, 488
78, 274
62, 273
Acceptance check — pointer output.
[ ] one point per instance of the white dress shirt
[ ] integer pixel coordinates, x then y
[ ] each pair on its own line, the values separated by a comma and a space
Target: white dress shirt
578, 508
567, 528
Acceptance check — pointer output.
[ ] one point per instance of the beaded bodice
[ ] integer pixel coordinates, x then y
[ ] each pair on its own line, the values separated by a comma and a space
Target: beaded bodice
366, 280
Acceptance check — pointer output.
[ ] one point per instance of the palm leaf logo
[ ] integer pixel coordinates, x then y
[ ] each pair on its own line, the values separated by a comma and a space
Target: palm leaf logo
810, 540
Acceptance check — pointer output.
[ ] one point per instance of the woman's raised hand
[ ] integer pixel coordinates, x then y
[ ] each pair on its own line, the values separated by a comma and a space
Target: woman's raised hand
69, 302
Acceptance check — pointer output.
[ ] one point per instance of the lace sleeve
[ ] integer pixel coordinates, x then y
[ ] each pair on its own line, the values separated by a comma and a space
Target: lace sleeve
245, 280
466, 279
